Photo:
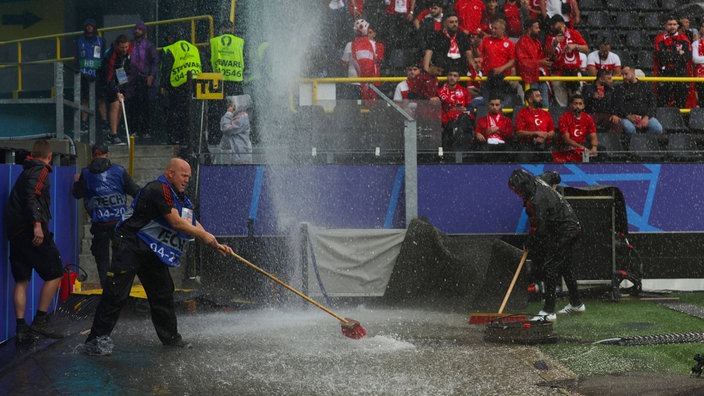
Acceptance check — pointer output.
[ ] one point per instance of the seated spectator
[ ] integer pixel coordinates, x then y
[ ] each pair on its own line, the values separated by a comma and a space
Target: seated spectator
603, 58
634, 105
456, 121
598, 98
494, 131
449, 48
403, 88
563, 45
575, 127
535, 129
235, 128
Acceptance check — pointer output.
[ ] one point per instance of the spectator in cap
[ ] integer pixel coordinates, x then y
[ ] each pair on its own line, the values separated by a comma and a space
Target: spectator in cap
603, 58
103, 186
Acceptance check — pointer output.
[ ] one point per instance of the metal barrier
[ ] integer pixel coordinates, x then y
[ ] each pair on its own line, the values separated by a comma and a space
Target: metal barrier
59, 101
349, 80
57, 38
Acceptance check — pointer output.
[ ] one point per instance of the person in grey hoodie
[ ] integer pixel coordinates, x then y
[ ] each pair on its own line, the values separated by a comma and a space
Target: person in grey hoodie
236, 130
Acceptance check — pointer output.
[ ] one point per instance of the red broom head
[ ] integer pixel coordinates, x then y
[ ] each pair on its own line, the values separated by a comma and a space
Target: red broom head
352, 329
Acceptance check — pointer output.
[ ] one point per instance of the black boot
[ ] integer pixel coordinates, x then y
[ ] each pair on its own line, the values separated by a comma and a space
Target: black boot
41, 326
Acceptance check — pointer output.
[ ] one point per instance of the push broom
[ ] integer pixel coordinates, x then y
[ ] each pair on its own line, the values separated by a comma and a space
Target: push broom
350, 327
484, 318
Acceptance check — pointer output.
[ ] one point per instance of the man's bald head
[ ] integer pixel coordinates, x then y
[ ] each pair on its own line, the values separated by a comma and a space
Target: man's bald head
178, 174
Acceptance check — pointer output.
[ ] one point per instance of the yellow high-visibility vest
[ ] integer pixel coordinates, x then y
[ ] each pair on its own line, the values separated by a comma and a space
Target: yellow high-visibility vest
227, 56
186, 59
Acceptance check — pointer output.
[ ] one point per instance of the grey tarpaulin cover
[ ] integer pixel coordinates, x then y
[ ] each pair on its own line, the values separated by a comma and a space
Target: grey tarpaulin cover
353, 262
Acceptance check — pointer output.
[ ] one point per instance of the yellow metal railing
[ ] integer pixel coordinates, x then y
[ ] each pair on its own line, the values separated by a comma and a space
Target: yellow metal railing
19, 64
335, 80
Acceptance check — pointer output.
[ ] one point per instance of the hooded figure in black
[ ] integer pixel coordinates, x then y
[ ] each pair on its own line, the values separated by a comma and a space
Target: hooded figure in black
554, 228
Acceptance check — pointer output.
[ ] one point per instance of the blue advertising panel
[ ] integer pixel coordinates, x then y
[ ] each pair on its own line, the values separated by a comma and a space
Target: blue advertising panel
458, 199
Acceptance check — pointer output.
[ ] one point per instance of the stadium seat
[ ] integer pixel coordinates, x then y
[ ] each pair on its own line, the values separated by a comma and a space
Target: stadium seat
610, 147
627, 20
671, 119
682, 147
556, 112
644, 147
481, 112
618, 4
636, 40
598, 20
696, 120
592, 5
345, 126
651, 20
645, 59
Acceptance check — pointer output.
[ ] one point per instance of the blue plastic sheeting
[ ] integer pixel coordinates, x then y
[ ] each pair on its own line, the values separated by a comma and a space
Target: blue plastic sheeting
458, 199
64, 226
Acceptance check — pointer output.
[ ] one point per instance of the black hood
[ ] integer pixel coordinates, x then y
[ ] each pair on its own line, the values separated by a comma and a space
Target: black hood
551, 177
522, 183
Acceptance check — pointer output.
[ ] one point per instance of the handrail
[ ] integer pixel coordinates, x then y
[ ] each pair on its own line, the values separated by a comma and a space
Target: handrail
57, 37
334, 80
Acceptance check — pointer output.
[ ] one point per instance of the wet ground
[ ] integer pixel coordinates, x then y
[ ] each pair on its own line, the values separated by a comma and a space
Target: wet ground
303, 352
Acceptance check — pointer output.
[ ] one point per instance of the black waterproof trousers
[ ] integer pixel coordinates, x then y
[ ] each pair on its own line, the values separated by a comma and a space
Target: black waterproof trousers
133, 257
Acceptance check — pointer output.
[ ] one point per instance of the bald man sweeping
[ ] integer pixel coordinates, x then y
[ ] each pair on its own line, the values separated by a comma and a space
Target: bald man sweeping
147, 243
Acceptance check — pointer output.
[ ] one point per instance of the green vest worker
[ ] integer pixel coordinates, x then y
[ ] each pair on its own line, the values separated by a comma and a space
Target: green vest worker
186, 59
227, 56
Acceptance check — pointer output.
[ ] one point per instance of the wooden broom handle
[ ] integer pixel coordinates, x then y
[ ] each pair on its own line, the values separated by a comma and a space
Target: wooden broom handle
513, 281
289, 287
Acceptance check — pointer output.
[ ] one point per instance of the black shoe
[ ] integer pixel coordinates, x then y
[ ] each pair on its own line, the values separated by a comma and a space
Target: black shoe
178, 342
99, 346
41, 326
25, 335
114, 140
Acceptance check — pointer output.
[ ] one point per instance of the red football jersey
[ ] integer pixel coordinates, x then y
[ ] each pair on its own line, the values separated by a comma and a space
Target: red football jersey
453, 97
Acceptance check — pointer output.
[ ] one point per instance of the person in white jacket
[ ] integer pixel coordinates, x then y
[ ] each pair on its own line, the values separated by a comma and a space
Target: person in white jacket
236, 130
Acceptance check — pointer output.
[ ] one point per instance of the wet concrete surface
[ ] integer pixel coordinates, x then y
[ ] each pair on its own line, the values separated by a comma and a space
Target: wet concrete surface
303, 352
288, 352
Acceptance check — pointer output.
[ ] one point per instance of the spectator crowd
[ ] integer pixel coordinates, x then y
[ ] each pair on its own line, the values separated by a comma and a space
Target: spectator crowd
474, 45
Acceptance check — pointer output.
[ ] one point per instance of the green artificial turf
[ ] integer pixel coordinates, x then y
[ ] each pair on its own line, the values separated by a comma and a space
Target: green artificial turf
629, 317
